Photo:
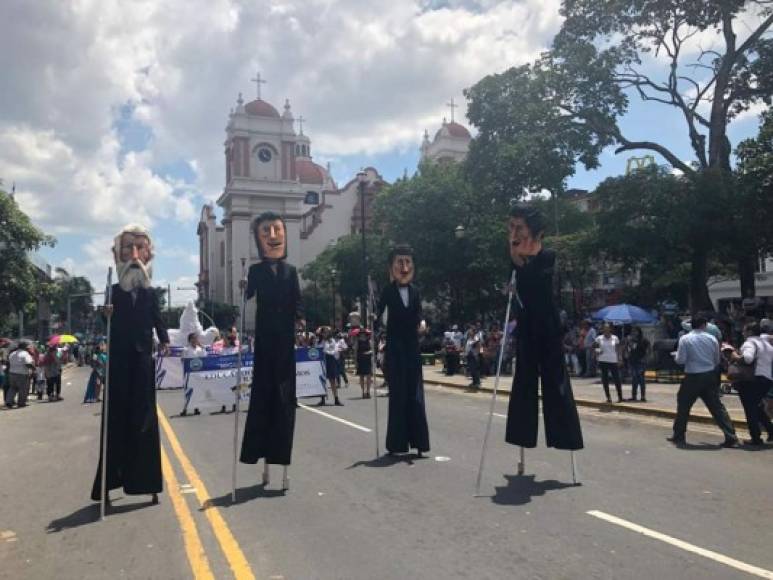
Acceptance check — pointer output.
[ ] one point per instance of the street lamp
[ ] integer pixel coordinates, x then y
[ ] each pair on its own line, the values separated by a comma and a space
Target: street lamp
459, 233
362, 180
333, 273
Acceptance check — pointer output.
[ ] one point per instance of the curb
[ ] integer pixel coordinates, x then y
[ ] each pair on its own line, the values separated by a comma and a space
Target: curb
620, 407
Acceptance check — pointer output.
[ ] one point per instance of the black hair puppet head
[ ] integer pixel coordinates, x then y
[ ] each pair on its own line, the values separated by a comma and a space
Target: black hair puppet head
401, 265
270, 236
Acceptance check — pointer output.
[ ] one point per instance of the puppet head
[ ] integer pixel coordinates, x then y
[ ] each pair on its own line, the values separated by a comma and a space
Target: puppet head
270, 236
526, 229
401, 266
133, 252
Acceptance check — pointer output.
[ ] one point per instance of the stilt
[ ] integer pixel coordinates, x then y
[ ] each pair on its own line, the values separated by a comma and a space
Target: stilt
285, 480
522, 462
575, 475
266, 475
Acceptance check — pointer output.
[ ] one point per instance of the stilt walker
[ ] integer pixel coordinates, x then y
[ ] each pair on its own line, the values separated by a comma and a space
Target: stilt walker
239, 388
106, 389
130, 446
539, 345
407, 425
496, 384
270, 425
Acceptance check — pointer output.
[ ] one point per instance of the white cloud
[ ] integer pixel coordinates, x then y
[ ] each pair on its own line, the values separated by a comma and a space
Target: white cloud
369, 76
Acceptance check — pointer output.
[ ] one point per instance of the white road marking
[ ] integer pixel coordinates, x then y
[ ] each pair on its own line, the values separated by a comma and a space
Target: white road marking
500, 415
727, 561
442, 458
334, 418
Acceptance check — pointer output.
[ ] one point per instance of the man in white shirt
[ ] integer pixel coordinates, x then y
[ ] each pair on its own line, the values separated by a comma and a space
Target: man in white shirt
607, 353
589, 343
698, 351
20, 366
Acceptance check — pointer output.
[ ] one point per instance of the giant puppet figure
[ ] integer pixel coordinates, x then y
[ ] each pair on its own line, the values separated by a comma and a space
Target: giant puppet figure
133, 448
407, 426
539, 352
270, 425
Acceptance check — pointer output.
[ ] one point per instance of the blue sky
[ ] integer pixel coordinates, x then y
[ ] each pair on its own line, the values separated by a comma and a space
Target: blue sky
117, 113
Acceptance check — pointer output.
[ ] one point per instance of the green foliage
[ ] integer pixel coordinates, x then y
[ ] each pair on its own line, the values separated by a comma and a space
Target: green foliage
19, 279
345, 257
80, 292
467, 274
755, 187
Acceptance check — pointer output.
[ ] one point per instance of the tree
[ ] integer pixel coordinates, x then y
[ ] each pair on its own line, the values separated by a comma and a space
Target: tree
19, 282
78, 291
345, 257
752, 214
565, 107
462, 276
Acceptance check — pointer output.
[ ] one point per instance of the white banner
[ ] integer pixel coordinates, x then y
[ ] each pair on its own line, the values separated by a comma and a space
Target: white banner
209, 380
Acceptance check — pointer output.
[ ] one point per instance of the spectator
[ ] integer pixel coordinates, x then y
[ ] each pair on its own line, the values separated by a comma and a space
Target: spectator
636, 349
39, 376
97, 378
608, 352
330, 347
758, 352
570, 351
52, 366
343, 347
493, 342
20, 367
192, 350
451, 349
471, 353
581, 350
698, 351
589, 347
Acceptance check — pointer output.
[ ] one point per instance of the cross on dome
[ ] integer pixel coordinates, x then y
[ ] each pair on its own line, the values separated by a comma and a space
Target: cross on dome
452, 106
258, 81
301, 119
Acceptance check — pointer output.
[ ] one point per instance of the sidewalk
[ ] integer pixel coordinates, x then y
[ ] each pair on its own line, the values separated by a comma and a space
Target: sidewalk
661, 397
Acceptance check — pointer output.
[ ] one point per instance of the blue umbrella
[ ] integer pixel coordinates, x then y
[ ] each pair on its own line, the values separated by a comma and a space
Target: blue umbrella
624, 314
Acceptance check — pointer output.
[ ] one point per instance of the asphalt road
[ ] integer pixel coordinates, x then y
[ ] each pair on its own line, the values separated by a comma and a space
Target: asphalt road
349, 516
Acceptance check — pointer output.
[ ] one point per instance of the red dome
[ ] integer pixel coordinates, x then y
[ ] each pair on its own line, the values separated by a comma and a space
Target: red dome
454, 129
261, 108
309, 172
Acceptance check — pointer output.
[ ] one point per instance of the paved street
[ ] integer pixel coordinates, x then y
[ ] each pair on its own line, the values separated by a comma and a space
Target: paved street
348, 516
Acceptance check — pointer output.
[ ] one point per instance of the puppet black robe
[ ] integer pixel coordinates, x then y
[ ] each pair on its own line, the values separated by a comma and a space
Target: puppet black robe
133, 446
271, 417
407, 425
539, 353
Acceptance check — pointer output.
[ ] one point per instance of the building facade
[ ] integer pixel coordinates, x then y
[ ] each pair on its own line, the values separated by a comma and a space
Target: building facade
269, 167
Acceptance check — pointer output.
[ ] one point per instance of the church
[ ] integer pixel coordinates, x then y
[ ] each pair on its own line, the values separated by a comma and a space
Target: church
269, 166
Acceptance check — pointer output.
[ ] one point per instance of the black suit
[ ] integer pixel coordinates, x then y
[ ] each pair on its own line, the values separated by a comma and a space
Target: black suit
539, 354
134, 453
407, 426
270, 424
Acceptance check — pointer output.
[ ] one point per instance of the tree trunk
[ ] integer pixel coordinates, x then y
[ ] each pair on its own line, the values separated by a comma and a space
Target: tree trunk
699, 291
746, 270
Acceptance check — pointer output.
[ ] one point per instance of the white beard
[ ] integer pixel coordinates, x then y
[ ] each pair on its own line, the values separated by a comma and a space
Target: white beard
132, 278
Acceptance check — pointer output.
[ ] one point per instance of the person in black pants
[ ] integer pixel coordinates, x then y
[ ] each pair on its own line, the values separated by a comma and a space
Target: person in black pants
539, 340
758, 352
608, 353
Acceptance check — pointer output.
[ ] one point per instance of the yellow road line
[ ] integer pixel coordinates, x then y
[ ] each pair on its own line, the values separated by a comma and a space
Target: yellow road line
193, 547
233, 553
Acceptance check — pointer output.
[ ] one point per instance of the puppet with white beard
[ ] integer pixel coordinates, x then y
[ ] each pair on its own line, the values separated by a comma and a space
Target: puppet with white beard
134, 453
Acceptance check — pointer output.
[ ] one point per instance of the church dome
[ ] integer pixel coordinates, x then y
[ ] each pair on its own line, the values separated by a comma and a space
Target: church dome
453, 129
260, 108
309, 172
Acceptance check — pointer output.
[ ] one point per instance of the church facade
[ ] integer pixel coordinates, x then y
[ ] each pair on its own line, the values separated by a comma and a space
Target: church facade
269, 166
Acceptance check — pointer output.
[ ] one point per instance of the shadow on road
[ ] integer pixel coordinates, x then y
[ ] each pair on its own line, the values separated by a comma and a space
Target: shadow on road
520, 489
388, 460
90, 514
243, 495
